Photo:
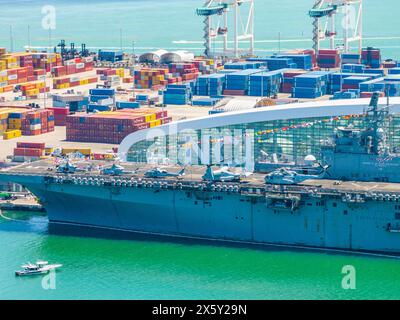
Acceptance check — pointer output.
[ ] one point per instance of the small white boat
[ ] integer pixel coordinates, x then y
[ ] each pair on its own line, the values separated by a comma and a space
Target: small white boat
41, 267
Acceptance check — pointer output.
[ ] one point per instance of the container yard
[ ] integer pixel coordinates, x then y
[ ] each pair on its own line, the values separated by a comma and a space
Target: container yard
112, 127
108, 93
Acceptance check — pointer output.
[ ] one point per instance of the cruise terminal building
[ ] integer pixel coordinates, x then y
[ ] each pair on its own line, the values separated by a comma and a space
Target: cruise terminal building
283, 133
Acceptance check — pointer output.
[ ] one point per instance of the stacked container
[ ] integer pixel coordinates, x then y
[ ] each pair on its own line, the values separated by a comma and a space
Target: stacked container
279, 62
217, 84
110, 55
203, 85
75, 81
46, 60
177, 94
73, 66
353, 82
38, 122
33, 89
244, 65
348, 94
206, 66
187, 71
112, 127
288, 81
101, 99
128, 105
148, 78
302, 61
394, 71
265, 84
237, 83
310, 86
350, 58
28, 151
353, 68
71, 101
328, 58
15, 119
371, 57
60, 116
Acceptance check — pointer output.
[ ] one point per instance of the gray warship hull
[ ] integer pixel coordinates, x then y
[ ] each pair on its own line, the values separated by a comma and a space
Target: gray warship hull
350, 216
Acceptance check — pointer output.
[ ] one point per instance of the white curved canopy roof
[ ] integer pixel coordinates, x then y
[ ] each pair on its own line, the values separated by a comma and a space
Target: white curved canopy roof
154, 56
314, 109
177, 56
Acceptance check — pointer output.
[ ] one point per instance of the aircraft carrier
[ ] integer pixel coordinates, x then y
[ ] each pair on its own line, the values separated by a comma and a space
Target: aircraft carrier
284, 207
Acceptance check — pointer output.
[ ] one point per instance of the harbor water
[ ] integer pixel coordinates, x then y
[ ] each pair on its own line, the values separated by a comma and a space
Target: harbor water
173, 24
112, 266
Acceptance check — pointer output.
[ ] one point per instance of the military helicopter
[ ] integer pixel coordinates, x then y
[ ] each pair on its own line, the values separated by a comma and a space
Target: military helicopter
68, 167
290, 177
116, 170
161, 173
223, 175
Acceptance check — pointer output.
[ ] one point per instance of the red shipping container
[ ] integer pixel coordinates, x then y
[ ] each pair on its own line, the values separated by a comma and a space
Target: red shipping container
59, 111
28, 152
31, 145
39, 72
71, 69
235, 92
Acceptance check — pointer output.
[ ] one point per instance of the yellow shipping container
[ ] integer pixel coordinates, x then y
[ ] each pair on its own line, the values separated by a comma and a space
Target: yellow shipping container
48, 151
40, 85
32, 92
85, 152
150, 117
121, 72
109, 156
155, 123
14, 126
8, 135
3, 115
15, 121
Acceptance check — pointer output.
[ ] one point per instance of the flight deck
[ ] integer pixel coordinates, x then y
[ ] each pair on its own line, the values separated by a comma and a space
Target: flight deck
134, 175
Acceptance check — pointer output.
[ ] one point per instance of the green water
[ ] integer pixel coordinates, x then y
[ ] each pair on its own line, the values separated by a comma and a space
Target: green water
104, 268
173, 24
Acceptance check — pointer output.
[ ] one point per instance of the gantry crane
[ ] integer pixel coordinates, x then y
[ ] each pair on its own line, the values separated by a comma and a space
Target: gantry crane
351, 24
216, 19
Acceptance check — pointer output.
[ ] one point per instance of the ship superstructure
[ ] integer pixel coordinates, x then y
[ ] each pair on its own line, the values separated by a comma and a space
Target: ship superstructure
363, 154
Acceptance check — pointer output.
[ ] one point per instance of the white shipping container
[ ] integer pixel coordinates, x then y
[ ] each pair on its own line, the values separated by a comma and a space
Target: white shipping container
3, 73
74, 79
88, 59
41, 78
106, 102
35, 126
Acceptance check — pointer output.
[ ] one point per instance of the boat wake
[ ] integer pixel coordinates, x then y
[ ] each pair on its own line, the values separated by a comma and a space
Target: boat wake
30, 221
